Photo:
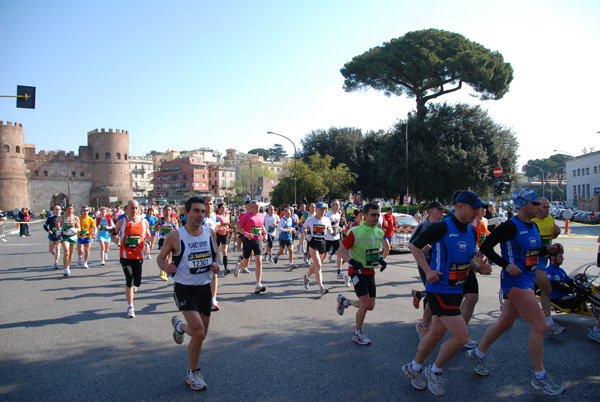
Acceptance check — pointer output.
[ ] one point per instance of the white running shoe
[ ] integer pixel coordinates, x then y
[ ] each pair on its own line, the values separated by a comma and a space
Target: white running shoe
80, 262
177, 337
340, 275
347, 280
360, 338
340, 307
130, 312
85, 265
306, 281
291, 267
435, 382
236, 271
547, 385
555, 329
416, 377
195, 380
259, 288
471, 344
66, 272
323, 291
103, 263
478, 363
55, 265
244, 271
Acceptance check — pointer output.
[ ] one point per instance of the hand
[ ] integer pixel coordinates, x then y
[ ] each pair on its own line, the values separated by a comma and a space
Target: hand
433, 276
485, 268
215, 268
355, 264
382, 263
513, 270
556, 231
426, 248
170, 269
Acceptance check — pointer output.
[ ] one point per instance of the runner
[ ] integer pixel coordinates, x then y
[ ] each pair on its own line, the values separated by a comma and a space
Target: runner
361, 250
223, 230
152, 219
194, 253
305, 215
252, 227
132, 231
210, 222
389, 224
453, 242
520, 244
105, 225
271, 222
315, 229
286, 229
69, 226
163, 227
51, 227
333, 241
87, 232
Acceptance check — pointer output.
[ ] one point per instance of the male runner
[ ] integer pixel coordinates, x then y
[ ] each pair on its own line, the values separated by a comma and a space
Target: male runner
361, 250
194, 251
453, 244
51, 227
521, 245
315, 229
286, 229
86, 234
333, 241
271, 222
252, 227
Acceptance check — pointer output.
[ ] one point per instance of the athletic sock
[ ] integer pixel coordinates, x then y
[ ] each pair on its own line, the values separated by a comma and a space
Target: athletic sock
540, 374
479, 353
225, 261
549, 321
416, 366
178, 327
435, 370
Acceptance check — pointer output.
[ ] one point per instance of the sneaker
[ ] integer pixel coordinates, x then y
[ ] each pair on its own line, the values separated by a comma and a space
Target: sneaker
102, 263
471, 344
80, 262
163, 275
341, 299
306, 281
195, 380
226, 272
55, 265
323, 291
260, 289
130, 312
275, 259
339, 276
347, 280
416, 377
547, 385
66, 272
477, 363
416, 298
177, 337
555, 329
594, 336
244, 271
291, 267
236, 271
306, 259
85, 266
420, 330
149, 257
435, 382
360, 338
214, 307
330, 257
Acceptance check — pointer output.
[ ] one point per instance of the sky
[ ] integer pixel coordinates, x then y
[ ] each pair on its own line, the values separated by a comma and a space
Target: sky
191, 74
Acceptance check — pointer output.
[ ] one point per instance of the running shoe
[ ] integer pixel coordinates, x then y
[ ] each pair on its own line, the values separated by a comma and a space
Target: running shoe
339, 276
244, 271
435, 382
547, 385
80, 262
66, 272
416, 377
149, 257
85, 265
275, 259
55, 265
236, 271
360, 338
130, 312
323, 291
226, 272
291, 267
195, 380
163, 275
306, 259
347, 280
259, 289
306, 281
103, 263
471, 344
341, 304
420, 330
555, 329
330, 257
594, 336
177, 337
416, 298
478, 363
214, 307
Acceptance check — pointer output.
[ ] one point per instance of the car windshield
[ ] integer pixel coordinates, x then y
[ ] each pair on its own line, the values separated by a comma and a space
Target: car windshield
406, 221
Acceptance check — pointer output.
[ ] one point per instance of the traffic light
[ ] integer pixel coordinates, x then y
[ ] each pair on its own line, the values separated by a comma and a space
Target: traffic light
25, 97
497, 188
503, 187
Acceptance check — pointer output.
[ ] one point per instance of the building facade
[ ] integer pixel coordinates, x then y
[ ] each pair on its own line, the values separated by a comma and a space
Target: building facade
181, 176
583, 181
142, 174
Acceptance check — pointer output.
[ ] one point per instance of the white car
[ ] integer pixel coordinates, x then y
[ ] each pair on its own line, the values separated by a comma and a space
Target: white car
405, 226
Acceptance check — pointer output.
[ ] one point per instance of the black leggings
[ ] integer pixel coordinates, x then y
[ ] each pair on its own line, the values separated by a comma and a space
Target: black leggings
133, 272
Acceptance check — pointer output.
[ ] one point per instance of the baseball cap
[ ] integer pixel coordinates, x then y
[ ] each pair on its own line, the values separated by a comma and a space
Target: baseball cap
435, 204
469, 197
321, 205
523, 197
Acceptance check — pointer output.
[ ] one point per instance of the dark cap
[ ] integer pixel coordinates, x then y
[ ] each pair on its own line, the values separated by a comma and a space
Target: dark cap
435, 204
469, 197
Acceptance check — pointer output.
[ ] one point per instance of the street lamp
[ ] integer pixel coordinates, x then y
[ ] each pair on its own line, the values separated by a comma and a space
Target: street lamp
537, 167
406, 140
295, 157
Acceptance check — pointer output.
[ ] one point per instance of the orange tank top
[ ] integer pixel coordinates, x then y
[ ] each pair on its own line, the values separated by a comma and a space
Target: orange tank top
132, 239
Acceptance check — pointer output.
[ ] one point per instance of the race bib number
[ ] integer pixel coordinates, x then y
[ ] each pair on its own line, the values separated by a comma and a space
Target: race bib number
318, 231
372, 257
102, 227
546, 240
531, 260
458, 274
84, 232
165, 231
199, 262
271, 229
132, 241
67, 230
255, 231
482, 238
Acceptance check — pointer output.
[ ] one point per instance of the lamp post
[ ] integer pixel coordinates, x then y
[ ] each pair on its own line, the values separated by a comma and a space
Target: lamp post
295, 157
537, 167
406, 141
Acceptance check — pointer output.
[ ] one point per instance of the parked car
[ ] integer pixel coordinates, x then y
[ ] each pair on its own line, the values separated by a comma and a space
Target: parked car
405, 226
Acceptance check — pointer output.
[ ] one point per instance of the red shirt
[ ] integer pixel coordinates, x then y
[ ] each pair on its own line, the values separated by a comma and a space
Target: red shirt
254, 224
389, 221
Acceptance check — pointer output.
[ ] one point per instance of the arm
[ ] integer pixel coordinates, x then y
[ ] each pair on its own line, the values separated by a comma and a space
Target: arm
171, 245
215, 265
114, 235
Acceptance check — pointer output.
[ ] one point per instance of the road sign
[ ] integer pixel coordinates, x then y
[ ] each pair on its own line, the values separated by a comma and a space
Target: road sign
498, 171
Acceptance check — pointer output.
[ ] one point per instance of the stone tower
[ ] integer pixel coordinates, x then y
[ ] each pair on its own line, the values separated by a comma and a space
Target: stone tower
110, 166
14, 191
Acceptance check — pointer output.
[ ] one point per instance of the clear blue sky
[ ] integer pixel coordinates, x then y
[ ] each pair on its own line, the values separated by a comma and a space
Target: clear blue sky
188, 74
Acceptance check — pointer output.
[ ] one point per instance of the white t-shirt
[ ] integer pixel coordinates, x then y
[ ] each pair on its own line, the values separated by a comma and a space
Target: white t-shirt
271, 222
318, 228
335, 225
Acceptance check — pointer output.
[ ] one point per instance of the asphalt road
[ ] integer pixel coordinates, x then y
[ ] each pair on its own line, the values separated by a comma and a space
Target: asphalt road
68, 338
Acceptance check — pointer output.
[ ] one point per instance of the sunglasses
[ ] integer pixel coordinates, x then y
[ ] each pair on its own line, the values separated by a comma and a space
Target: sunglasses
536, 203
374, 214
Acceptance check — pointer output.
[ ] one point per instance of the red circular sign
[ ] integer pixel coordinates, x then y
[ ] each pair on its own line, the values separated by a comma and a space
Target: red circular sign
498, 171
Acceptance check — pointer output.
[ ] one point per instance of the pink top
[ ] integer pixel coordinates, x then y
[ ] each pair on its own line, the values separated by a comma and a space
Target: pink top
254, 224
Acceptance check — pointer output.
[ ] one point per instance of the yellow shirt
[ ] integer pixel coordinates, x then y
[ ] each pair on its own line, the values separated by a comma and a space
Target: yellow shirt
546, 227
85, 225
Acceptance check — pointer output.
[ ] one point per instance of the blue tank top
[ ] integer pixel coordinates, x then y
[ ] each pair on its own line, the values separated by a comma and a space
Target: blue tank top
558, 274
452, 256
287, 224
524, 249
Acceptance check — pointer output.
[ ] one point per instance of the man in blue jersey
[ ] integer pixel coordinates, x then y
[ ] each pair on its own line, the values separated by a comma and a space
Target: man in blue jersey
521, 246
453, 244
